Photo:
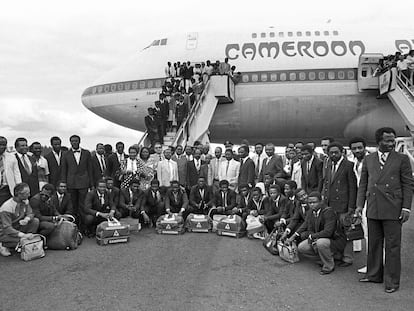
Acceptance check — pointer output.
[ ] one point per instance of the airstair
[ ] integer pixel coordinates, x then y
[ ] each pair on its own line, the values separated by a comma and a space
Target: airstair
219, 89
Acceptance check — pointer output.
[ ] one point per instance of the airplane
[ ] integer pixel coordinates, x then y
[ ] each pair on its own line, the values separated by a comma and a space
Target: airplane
297, 83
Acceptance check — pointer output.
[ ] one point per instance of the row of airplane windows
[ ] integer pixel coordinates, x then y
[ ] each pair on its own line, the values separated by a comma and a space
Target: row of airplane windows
246, 78
282, 34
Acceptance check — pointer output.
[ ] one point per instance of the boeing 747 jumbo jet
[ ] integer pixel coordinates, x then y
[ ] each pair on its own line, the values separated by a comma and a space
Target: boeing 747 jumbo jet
295, 83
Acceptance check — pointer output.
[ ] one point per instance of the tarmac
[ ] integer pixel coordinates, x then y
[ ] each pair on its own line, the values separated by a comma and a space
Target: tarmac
194, 271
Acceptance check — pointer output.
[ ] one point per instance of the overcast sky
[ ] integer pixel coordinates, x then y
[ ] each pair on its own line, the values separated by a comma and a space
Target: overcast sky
51, 51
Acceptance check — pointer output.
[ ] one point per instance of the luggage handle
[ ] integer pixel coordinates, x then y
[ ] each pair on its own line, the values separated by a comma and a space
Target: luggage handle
112, 222
211, 209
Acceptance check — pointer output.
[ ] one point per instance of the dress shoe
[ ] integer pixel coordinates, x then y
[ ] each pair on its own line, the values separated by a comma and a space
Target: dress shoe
324, 272
362, 270
344, 264
366, 280
391, 290
4, 251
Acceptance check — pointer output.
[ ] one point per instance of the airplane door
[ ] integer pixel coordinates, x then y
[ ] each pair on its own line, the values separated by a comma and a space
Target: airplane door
192, 39
367, 64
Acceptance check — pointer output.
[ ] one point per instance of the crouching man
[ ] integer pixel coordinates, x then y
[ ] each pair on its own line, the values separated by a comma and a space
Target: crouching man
44, 210
321, 238
97, 208
176, 200
17, 220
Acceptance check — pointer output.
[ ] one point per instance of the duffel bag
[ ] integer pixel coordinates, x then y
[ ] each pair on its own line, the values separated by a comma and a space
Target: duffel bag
253, 226
198, 223
30, 249
270, 242
232, 225
112, 232
170, 224
288, 252
66, 235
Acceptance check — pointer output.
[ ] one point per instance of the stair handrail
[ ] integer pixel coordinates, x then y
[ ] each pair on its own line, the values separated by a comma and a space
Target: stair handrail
191, 115
405, 83
142, 139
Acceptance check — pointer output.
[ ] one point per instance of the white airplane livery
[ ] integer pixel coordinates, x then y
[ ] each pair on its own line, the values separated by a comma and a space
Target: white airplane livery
295, 83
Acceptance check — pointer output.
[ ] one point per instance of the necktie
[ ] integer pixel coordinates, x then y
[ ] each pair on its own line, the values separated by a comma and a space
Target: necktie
333, 170
60, 198
160, 158
101, 197
257, 165
1, 170
382, 160
26, 165
227, 168
309, 166
241, 162
103, 163
225, 199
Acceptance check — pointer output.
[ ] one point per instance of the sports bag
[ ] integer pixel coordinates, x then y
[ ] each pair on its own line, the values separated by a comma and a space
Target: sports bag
112, 232
232, 225
198, 223
31, 249
167, 224
66, 235
270, 242
288, 252
253, 226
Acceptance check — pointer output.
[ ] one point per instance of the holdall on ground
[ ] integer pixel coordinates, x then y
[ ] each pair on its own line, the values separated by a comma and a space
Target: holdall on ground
232, 225
31, 249
198, 223
270, 242
253, 225
112, 232
167, 224
288, 252
66, 235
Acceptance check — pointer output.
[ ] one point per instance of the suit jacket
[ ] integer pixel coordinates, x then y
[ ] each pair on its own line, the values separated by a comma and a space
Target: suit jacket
340, 191
386, 191
77, 176
153, 204
231, 174
164, 174
31, 179
182, 169
262, 207
246, 172
65, 207
290, 209
196, 199
192, 173
151, 124
55, 169
325, 225
113, 166
125, 199
114, 197
44, 211
93, 203
299, 217
230, 200
276, 209
97, 172
175, 205
274, 165
312, 180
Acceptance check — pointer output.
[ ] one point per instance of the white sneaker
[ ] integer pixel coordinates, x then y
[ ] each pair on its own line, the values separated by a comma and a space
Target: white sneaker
4, 251
362, 270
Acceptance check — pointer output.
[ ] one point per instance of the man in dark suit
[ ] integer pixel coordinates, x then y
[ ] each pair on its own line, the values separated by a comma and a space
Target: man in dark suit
98, 163
97, 208
193, 169
114, 194
242, 200
320, 236
247, 168
311, 170
61, 200
152, 126
130, 203
225, 199
276, 207
153, 202
387, 186
176, 200
201, 197
273, 164
340, 190
114, 162
77, 173
26, 166
54, 160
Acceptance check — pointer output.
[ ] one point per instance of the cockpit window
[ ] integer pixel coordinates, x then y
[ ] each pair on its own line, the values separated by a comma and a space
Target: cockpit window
163, 41
156, 42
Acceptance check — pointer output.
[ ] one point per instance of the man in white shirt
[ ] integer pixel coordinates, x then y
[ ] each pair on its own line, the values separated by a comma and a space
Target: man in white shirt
216, 162
167, 169
229, 170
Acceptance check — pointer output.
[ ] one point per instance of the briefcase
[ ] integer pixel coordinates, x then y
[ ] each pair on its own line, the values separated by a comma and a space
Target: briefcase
253, 226
198, 223
167, 224
112, 232
354, 232
233, 226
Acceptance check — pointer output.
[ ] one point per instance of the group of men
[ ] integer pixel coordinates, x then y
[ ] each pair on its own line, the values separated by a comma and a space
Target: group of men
306, 194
